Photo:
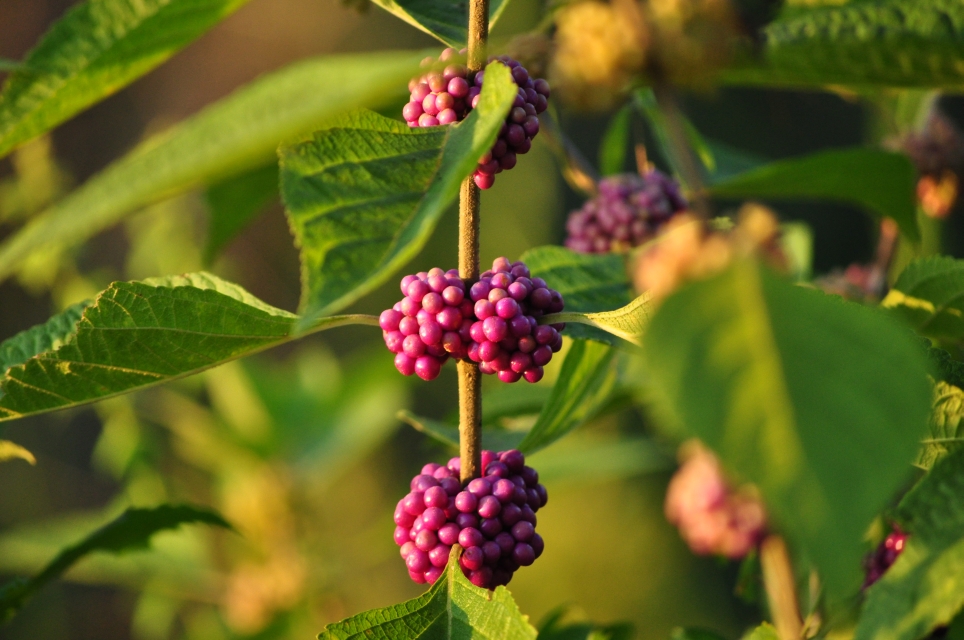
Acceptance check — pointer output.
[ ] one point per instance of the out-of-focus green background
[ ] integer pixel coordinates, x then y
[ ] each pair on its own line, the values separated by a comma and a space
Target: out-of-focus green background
300, 447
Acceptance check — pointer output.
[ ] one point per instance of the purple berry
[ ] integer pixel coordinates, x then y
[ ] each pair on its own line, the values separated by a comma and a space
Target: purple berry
449, 533
470, 537
524, 554
523, 531
417, 561
466, 502
436, 496
439, 555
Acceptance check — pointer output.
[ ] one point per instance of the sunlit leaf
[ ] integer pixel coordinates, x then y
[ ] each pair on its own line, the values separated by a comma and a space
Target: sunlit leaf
446, 20
820, 402
929, 295
13, 451
364, 194
237, 134
98, 47
946, 433
132, 530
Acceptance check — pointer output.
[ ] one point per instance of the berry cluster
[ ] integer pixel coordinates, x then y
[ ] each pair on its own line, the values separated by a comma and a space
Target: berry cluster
884, 556
628, 211
496, 324
712, 517
429, 324
444, 97
493, 518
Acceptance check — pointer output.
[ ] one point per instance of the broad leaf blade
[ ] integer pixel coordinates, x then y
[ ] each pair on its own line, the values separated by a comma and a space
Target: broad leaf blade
97, 48
132, 530
587, 381
137, 334
364, 196
929, 295
443, 19
945, 425
880, 182
820, 402
452, 608
232, 136
924, 589
44, 337
628, 323
588, 283
615, 141
233, 203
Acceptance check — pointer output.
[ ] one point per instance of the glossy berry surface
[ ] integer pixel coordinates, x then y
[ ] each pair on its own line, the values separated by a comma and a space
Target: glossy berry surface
492, 518
628, 211
886, 554
447, 96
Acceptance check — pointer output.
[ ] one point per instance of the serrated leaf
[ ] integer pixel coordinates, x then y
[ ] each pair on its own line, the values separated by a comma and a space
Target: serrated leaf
13, 451
132, 530
364, 195
136, 334
924, 589
880, 182
448, 434
443, 19
945, 425
43, 337
98, 47
587, 282
452, 608
232, 136
615, 141
890, 43
233, 203
628, 323
929, 295
586, 382
819, 402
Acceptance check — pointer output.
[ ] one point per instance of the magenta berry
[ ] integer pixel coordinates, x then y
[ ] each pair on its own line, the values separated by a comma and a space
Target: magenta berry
628, 211
492, 518
886, 554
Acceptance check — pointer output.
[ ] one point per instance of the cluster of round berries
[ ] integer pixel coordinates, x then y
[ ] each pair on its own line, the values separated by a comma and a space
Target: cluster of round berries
712, 517
495, 324
448, 96
884, 556
493, 518
628, 211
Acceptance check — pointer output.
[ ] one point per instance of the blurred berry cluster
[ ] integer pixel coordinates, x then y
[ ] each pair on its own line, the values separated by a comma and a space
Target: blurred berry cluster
884, 556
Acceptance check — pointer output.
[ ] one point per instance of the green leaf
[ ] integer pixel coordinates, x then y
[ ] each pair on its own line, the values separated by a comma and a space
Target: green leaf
628, 323
820, 402
612, 149
554, 628
586, 382
645, 102
448, 434
43, 337
881, 182
891, 43
233, 203
765, 631
924, 589
595, 459
132, 530
7, 66
98, 47
929, 295
945, 425
452, 608
136, 334
443, 19
11, 451
237, 134
587, 282
693, 633
364, 194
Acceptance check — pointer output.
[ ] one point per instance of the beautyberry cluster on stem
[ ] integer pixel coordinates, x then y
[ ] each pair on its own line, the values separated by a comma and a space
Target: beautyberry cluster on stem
628, 211
712, 517
886, 554
493, 518
447, 96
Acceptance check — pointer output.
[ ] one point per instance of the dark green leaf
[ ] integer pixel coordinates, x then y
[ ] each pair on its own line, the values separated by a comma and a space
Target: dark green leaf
929, 295
446, 20
925, 587
132, 530
44, 337
453, 608
448, 434
136, 334
897, 43
232, 136
586, 382
235, 202
364, 195
945, 425
881, 182
820, 402
612, 149
588, 283
97, 48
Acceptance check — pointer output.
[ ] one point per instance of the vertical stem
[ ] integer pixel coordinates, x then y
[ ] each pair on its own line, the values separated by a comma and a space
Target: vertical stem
780, 588
470, 378
685, 158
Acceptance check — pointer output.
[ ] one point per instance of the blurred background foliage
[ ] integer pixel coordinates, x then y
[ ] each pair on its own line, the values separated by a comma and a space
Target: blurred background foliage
300, 448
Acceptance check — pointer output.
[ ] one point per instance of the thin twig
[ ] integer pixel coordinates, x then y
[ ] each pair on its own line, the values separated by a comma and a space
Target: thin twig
780, 587
686, 159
